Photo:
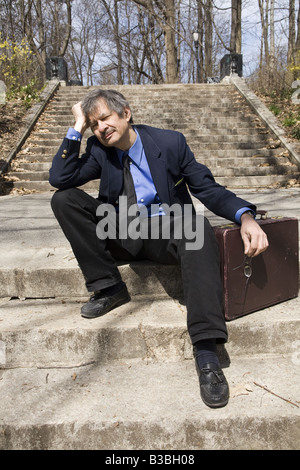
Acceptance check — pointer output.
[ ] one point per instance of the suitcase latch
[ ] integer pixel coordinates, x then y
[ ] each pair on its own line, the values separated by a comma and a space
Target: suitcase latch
248, 267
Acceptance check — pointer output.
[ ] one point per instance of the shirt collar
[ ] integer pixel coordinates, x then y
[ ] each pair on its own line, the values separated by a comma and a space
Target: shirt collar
135, 152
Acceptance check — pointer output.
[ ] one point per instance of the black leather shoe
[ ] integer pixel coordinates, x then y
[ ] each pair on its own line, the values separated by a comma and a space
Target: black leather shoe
99, 304
214, 388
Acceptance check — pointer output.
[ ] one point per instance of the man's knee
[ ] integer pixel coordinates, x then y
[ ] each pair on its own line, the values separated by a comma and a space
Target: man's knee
61, 197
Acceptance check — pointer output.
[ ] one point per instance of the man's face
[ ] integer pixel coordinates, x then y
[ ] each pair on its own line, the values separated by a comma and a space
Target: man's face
109, 128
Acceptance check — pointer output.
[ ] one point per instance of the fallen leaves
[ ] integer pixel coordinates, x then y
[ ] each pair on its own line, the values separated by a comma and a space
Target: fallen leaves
240, 389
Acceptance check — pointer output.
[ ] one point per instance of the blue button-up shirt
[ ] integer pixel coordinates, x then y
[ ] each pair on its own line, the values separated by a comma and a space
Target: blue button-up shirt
146, 193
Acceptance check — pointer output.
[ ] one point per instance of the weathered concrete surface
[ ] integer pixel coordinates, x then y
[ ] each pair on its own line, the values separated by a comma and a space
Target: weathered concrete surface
39, 332
37, 261
127, 380
137, 406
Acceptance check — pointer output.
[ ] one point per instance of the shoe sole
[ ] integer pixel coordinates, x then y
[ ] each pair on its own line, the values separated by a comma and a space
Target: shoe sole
215, 405
112, 307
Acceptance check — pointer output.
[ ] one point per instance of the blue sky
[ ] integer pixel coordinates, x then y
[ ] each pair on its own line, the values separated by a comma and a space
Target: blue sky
251, 28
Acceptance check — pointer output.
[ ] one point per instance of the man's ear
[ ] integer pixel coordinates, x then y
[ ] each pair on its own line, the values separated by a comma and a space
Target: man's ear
127, 114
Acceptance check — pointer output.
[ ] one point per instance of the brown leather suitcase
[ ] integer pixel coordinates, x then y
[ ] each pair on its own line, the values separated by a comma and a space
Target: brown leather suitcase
251, 284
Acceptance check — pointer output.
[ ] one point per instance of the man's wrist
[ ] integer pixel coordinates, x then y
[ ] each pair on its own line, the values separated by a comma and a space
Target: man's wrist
242, 211
80, 127
249, 213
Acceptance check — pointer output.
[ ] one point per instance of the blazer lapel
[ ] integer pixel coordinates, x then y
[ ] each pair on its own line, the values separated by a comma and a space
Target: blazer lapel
156, 164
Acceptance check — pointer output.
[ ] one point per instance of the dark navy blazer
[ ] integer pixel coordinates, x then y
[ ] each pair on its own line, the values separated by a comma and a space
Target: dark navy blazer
171, 162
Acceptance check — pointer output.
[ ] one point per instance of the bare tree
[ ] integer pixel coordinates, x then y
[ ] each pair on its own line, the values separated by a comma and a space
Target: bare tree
47, 27
236, 27
293, 54
271, 73
152, 47
208, 37
264, 17
297, 45
165, 13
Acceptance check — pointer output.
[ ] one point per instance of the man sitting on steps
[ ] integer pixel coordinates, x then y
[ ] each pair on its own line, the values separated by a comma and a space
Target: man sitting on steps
148, 168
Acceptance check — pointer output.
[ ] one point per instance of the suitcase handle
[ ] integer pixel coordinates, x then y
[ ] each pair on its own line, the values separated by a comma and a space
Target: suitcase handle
263, 214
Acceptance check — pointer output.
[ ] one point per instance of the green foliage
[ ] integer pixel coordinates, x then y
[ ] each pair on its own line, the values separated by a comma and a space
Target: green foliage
16, 70
295, 67
28, 94
296, 133
275, 109
288, 114
289, 121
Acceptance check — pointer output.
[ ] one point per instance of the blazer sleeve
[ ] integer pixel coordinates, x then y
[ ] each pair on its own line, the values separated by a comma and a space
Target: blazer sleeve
68, 170
203, 186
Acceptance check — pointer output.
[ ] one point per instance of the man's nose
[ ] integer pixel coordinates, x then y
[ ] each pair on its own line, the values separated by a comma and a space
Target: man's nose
102, 126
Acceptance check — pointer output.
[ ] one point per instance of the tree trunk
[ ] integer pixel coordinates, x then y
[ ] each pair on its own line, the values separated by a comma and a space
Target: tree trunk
171, 49
292, 33
264, 52
118, 44
68, 30
297, 45
201, 36
236, 27
167, 20
208, 38
271, 71
39, 50
292, 51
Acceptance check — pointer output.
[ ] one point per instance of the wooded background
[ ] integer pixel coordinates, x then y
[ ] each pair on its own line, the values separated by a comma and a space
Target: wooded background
150, 41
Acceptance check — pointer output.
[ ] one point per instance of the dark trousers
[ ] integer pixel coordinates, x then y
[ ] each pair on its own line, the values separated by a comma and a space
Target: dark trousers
97, 258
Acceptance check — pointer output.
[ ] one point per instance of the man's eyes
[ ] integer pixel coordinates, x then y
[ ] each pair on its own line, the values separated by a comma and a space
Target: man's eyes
102, 119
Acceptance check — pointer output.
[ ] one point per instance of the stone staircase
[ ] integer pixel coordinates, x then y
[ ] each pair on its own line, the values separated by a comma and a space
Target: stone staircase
222, 130
127, 381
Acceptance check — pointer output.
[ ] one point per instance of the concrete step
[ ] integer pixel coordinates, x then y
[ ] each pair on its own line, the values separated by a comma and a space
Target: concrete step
218, 125
201, 129
165, 107
127, 380
152, 90
131, 405
51, 332
156, 117
37, 261
63, 101
221, 171
195, 137
143, 117
232, 182
135, 91
194, 144
57, 133
205, 155
211, 162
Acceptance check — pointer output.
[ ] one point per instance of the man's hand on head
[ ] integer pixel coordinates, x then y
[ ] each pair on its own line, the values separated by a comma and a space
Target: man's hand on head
80, 120
254, 238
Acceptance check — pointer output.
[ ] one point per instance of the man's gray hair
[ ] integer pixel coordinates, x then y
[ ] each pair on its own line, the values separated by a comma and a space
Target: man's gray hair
114, 100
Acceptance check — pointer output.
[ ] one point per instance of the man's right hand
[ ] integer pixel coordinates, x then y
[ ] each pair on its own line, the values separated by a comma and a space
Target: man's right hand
80, 120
